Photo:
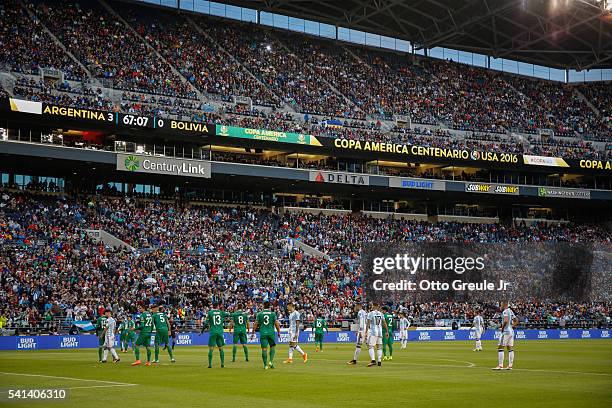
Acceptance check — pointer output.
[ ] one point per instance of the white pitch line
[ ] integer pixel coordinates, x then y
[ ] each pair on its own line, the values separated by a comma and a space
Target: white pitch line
68, 378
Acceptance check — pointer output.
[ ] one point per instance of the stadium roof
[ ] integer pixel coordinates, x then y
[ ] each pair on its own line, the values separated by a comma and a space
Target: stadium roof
572, 34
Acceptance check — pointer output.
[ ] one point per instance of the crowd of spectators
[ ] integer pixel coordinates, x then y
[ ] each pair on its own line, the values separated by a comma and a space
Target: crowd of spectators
51, 270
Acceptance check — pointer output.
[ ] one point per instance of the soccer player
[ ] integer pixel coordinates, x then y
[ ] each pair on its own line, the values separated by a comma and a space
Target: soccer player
404, 324
240, 328
388, 339
266, 322
319, 325
162, 333
131, 334
100, 326
216, 321
361, 329
375, 327
109, 333
478, 326
145, 327
123, 332
506, 338
294, 334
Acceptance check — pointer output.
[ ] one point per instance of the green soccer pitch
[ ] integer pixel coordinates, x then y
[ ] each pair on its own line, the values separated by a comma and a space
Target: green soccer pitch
553, 373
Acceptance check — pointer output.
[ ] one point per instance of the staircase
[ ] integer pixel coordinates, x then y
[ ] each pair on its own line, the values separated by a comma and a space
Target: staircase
108, 239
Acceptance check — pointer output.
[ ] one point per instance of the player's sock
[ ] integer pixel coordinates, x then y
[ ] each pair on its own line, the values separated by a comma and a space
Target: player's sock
384, 349
371, 351
390, 350
380, 354
114, 353
210, 354
105, 354
357, 351
321, 347
156, 352
510, 357
299, 349
222, 355
478, 344
500, 357
99, 353
290, 352
137, 352
234, 348
272, 353
170, 353
148, 354
264, 356
246, 352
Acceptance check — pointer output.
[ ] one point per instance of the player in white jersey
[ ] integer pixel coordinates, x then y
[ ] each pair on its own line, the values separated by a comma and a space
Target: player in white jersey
374, 334
478, 326
294, 334
506, 338
404, 324
361, 332
110, 332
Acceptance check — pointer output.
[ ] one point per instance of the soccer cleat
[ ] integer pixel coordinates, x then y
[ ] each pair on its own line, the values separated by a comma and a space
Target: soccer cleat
148, 363
116, 360
271, 364
499, 367
475, 349
509, 367
288, 361
317, 350
390, 358
137, 362
305, 357
352, 362
104, 361
173, 361
266, 368
379, 363
209, 366
371, 363
222, 366
155, 361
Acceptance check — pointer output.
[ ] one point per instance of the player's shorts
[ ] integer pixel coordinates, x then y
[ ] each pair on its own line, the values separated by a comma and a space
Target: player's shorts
100, 341
506, 339
374, 340
404, 335
109, 341
360, 338
318, 336
122, 337
388, 340
267, 340
216, 340
240, 337
131, 336
161, 338
294, 336
144, 339
478, 333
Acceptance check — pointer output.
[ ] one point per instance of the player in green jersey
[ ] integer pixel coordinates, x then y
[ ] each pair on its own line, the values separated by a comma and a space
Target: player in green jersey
266, 322
319, 325
100, 326
130, 335
144, 337
124, 333
388, 339
215, 321
240, 327
162, 333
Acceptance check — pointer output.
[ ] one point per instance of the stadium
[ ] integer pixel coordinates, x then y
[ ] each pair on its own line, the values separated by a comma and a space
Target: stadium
306, 203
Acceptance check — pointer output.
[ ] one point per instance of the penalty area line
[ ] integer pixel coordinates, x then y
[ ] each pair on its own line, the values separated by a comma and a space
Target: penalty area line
108, 383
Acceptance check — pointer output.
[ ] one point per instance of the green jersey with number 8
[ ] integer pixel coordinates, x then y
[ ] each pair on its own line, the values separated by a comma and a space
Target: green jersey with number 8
240, 320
